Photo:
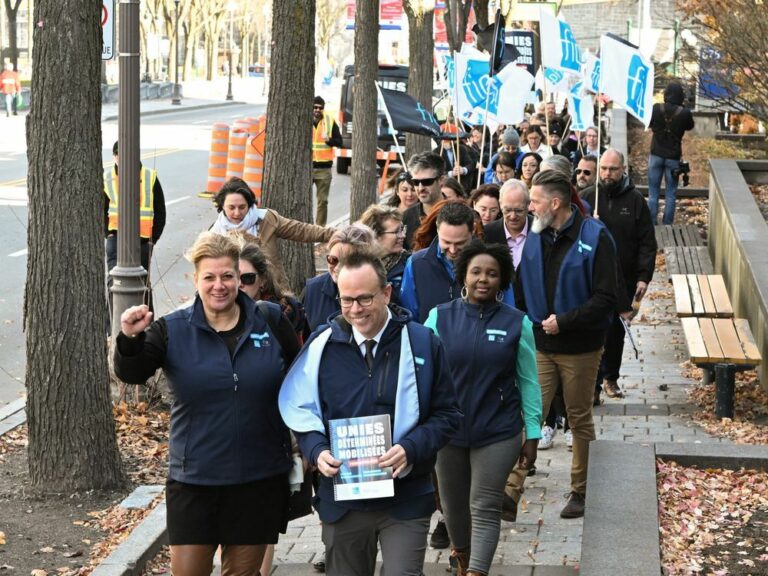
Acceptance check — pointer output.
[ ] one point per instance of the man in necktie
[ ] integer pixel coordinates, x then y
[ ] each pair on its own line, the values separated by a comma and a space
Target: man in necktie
373, 360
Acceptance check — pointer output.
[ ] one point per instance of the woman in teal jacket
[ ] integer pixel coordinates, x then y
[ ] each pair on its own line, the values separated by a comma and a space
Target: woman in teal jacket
492, 357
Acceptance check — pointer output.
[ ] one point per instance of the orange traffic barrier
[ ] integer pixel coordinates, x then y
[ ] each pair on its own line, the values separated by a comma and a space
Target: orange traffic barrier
253, 172
236, 152
217, 158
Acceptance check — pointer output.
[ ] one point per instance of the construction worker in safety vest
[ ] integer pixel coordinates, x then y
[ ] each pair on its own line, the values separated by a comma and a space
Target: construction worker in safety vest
325, 137
151, 216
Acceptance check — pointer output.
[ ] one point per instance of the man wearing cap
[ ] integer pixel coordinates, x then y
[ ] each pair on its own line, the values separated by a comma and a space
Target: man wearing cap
325, 137
510, 142
554, 137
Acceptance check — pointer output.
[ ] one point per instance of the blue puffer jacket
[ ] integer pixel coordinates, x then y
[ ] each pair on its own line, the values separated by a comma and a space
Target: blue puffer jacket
225, 423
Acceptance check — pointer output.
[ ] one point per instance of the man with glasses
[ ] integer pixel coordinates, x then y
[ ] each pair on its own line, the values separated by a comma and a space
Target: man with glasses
426, 170
625, 213
586, 173
512, 229
325, 137
373, 360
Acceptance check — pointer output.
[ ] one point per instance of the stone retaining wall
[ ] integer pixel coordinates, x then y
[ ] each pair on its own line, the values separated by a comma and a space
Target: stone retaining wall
738, 244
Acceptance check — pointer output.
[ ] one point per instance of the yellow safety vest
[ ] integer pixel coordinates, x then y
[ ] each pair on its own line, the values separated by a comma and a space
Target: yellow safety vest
147, 179
321, 152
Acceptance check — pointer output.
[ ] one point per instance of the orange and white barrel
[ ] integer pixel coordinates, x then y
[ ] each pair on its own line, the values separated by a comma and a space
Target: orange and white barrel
253, 172
217, 157
236, 152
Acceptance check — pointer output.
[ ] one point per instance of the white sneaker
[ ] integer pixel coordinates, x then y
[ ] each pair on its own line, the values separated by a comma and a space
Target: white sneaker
569, 439
547, 438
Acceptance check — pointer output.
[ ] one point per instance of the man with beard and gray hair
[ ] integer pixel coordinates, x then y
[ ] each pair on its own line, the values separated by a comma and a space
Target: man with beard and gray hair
569, 284
625, 213
586, 173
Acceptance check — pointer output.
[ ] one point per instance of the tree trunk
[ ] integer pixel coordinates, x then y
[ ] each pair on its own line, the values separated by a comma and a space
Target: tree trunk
211, 51
364, 135
288, 156
421, 44
13, 39
72, 443
481, 13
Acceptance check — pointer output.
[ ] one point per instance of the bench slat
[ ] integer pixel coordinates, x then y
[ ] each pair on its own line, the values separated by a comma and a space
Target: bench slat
697, 350
696, 299
706, 295
711, 341
729, 341
704, 261
720, 296
682, 295
751, 351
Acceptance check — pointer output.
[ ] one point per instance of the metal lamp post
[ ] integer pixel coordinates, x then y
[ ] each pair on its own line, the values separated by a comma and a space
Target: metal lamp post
231, 47
176, 86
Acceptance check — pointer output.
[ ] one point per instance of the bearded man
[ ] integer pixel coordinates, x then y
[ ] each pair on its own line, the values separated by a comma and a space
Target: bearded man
569, 286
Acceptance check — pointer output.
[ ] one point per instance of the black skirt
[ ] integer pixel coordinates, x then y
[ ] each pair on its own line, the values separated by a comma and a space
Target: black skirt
241, 514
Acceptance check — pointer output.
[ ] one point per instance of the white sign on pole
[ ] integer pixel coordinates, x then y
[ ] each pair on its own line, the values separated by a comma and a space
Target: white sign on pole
108, 29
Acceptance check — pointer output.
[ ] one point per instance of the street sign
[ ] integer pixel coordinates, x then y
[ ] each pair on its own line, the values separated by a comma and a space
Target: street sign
108, 29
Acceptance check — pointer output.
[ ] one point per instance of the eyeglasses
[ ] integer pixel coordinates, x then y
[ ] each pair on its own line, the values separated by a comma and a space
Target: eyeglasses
399, 232
423, 181
248, 278
364, 300
515, 211
610, 168
332, 260
582, 171
403, 177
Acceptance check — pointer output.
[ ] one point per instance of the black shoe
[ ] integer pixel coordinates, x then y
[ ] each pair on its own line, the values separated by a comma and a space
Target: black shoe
508, 509
439, 538
319, 566
575, 506
532, 471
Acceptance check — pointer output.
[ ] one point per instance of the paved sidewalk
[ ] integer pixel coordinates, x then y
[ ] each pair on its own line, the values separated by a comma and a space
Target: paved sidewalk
541, 543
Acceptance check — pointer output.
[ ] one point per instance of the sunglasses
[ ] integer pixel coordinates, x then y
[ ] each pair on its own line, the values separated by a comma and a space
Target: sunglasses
403, 177
582, 171
423, 181
248, 279
332, 260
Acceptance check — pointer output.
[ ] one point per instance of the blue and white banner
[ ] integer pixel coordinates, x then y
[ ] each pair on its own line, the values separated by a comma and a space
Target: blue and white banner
591, 73
553, 81
627, 77
559, 49
582, 108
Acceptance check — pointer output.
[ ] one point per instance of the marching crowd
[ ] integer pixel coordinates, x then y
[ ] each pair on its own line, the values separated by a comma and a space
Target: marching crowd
475, 314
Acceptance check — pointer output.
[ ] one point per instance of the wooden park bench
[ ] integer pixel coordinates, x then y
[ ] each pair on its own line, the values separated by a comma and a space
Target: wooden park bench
670, 236
688, 260
701, 295
722, 346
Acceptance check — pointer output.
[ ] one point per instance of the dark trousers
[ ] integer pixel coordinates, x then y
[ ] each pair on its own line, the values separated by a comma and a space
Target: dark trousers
111, 250
351, 544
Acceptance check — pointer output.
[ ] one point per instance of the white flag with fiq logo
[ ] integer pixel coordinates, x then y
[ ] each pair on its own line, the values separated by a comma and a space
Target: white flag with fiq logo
627, 77
559, 49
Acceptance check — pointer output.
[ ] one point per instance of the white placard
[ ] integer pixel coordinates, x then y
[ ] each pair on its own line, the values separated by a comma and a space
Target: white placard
108, 29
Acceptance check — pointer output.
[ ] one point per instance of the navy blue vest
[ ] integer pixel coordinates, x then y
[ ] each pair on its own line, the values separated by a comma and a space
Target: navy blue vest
320, 300
574, 282
481, 347
225, 423
432, 282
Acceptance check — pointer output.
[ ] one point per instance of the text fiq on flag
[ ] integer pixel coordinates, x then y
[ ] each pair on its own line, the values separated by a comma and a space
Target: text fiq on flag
626, 76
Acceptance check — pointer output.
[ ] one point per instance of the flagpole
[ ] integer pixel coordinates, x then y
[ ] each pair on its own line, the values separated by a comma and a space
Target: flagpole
599, 133
482, 140
546, 94
399, 152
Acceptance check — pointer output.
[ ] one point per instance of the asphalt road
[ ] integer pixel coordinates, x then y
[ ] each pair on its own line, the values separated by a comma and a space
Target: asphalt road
176, 144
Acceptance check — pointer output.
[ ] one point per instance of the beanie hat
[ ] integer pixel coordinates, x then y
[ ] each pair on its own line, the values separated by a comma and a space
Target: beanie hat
510, 137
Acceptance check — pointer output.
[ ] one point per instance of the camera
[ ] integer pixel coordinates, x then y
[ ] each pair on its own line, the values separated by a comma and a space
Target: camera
684, 170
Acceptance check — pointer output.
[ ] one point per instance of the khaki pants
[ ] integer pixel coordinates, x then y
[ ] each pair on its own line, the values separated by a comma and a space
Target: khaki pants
197, 560
576, 373
321, 178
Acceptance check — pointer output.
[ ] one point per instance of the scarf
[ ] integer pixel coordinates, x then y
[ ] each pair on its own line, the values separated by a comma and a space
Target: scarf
249, 224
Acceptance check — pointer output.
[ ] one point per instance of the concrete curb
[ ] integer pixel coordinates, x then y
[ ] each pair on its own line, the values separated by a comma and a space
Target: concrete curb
129, 558
12, 415
181, 108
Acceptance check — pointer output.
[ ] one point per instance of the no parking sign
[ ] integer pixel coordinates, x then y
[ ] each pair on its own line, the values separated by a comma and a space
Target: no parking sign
108, 29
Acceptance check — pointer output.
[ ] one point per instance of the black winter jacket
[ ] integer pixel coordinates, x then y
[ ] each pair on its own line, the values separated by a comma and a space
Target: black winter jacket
669, 122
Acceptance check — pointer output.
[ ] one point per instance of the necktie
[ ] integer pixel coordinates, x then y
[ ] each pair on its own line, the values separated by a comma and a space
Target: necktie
369, 344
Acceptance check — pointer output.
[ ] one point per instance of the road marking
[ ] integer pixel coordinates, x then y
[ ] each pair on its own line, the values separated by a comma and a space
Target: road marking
13, 196
19, 253
107, 165
200, 122
176, 200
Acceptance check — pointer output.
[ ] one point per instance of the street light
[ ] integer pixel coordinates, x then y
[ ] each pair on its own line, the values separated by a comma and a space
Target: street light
176, 87
231, 7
